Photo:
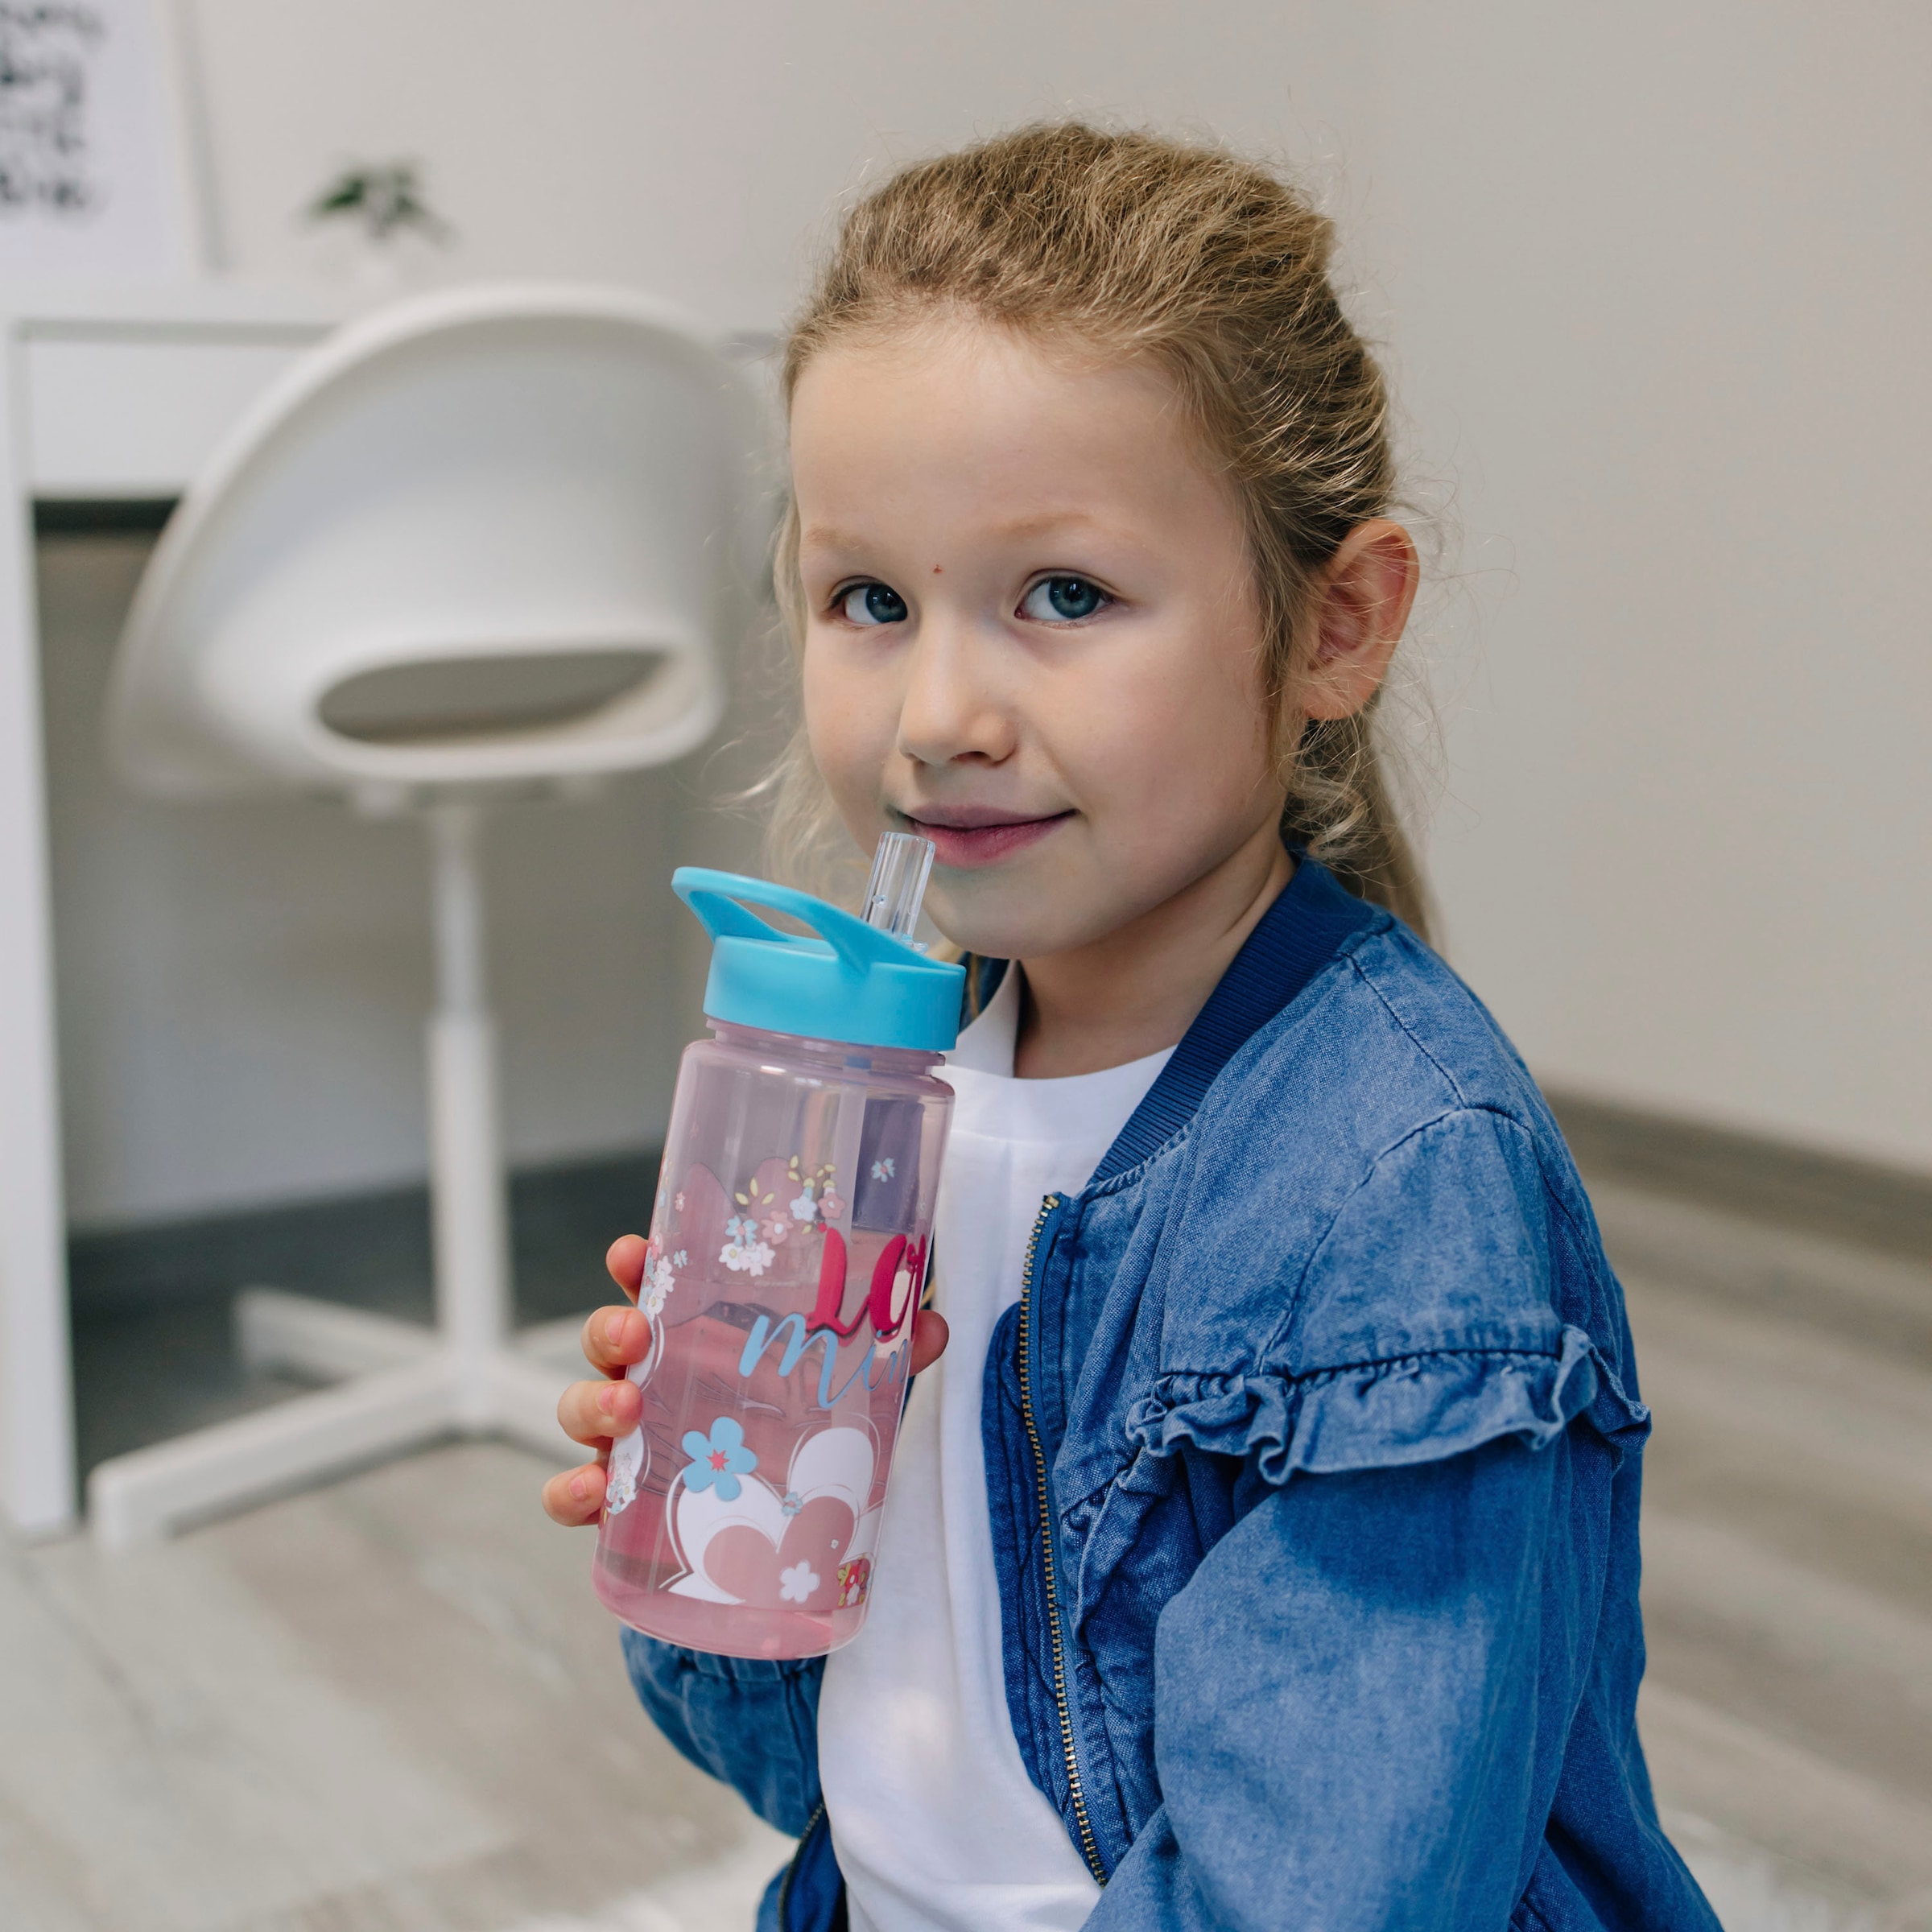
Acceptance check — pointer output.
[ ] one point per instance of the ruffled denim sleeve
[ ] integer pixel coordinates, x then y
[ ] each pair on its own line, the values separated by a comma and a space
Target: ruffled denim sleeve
1358, 1712
1452, 1296
1363, 1693
1390, 1413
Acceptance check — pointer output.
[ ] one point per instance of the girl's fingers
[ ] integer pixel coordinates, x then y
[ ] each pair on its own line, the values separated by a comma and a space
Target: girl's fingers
595, 1412
928, 1339
625, 1259
592, 1413
575, 1496
614, 1338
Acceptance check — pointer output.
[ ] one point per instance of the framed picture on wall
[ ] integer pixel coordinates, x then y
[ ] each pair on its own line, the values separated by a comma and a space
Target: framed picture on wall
96, 182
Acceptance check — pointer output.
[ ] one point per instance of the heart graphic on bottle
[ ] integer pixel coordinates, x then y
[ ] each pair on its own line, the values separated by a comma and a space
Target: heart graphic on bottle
802, 1572
779, 1551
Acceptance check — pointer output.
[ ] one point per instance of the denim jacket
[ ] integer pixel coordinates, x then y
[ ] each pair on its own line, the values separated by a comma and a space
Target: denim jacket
1313, 1450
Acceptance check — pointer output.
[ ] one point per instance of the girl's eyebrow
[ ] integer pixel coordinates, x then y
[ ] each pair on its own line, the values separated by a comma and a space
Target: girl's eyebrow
822, 536
826, 536
1045, 522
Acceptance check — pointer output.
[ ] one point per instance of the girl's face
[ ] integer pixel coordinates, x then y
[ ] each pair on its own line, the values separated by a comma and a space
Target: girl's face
1031, 632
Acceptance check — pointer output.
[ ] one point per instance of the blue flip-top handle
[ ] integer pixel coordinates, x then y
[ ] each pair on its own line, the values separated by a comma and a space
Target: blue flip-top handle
851, 983
719, 898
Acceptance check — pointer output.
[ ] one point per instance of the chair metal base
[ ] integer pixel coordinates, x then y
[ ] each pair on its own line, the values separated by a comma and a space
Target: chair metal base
405, 1389
404, 1386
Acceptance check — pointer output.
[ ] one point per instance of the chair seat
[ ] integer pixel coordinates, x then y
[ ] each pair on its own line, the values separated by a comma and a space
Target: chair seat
493, 534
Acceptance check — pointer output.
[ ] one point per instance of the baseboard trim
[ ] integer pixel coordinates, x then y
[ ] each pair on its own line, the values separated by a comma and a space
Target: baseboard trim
370, 1247
1835, 1195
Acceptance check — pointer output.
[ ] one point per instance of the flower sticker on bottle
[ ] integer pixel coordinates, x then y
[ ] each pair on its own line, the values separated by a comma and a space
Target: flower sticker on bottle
882, 1169
815, 1204
743, 1252
796, 1584
628, 1457
659, 1281
854, 1580
718, 1459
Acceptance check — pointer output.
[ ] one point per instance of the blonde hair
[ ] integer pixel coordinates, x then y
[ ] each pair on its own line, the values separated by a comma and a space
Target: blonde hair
1218, 272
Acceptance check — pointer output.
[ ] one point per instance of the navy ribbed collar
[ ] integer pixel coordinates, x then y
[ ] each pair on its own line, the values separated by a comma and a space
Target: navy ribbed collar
1297, 936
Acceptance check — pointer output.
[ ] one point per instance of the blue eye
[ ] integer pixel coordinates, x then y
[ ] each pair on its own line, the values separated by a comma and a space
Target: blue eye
1062, 599
873, 604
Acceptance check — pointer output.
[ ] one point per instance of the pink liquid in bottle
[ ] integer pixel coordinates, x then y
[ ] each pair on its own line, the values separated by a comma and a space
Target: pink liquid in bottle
788, 1250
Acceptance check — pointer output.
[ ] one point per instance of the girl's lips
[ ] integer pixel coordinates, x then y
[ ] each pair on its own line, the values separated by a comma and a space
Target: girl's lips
963, 846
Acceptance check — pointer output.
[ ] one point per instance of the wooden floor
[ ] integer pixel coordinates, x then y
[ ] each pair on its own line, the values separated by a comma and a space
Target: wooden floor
1787, 1712
395, 1702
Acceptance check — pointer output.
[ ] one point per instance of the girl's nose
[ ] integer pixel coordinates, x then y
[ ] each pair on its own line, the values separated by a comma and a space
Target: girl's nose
953, 707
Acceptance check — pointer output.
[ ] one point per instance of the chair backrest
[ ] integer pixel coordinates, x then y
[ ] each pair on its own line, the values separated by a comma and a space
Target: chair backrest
487, 535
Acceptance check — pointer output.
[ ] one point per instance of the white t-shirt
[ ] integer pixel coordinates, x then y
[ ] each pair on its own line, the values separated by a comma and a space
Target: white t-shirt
937, 1827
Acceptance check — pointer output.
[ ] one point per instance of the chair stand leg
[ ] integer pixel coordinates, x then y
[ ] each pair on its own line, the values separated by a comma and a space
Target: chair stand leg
409, 1385
278, 1332
523, 1396
147, 1495
468, 1192
406, 1394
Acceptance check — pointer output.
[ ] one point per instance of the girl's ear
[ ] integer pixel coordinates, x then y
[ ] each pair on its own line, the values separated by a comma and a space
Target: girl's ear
1361, 604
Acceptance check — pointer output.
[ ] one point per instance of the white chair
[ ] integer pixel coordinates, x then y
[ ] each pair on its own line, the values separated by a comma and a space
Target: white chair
478, 542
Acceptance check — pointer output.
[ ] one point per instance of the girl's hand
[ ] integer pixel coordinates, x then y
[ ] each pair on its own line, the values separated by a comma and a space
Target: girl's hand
595, 1413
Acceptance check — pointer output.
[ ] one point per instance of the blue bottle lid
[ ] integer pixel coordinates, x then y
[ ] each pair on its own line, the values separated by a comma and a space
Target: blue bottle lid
854, 983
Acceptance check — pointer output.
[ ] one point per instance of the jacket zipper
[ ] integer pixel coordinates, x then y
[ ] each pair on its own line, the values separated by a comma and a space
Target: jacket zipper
812, 1825
1088, 1847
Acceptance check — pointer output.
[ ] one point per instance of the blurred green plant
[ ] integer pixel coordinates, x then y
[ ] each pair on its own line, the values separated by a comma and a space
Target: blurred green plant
387, 199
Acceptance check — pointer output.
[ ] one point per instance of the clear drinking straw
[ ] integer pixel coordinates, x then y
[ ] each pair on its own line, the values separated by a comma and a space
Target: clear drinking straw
894, 893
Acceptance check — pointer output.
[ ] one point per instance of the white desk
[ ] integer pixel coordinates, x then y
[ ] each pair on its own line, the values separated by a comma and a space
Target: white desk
103, 396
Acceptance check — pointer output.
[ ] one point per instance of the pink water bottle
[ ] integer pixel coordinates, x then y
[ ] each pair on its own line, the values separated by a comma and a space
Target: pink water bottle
788, 1250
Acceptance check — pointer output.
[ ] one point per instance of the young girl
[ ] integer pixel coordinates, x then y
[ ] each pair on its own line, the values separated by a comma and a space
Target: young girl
1262, 1551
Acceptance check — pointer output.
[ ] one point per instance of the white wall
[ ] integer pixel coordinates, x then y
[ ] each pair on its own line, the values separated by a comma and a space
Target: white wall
698, 149
1646, 276
1658, 279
